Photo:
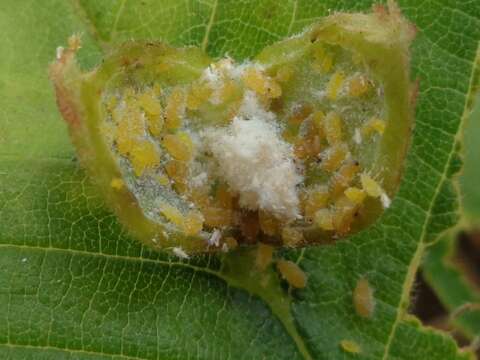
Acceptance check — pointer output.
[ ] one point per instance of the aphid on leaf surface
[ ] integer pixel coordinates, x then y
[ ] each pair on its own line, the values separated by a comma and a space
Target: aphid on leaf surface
350, 346
117, 184
264, 256
363, 299
292, 273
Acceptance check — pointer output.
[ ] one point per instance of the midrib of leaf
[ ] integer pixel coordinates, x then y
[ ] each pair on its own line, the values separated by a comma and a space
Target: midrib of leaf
416, 260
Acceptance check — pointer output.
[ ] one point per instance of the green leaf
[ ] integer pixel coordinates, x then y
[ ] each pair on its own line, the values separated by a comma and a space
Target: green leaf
471, 171
74, 285
439, 269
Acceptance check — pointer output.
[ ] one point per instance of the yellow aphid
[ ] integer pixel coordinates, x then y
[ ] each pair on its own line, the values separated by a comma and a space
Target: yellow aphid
299, 114
152, 107
292, 273
315, 200
318, 117
129, 130
343, 215
157, 90
323, 61
179, 146
355, 195
350, 346
332, 126
374, 125
371, 187
117, 184
231, 243
255, 80
144, 156
289, 135
334, 85
264, 256
198, 95
291, 236
358, 86
363, 300
172, 214
324, 219
174, 109
228, 91
155, 124
163, 180
74, 42
192, 223
217, 217
334, 156
111, 103
343, 177
284, 74
149, 103
176, 170
224, 197
268, 223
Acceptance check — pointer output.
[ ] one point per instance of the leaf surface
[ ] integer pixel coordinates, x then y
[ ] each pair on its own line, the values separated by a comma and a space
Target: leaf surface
73, 285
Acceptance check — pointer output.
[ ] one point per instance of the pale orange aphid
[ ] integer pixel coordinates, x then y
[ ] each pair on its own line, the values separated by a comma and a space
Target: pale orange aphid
257, 81
284, 74
363, 300
343, 177
117, 184
324, 219
350, 346
174, 109
179, 146
358, 86
332, 126
172, 214
292, 273
153, 110
315, 200
334, 85
343, 215
264, 256
177, 171
299, 114
228, 91
323, 60
192, 223
355, 195
374, 125
198, 94
268, 223
143, 156
333, 157
291, 236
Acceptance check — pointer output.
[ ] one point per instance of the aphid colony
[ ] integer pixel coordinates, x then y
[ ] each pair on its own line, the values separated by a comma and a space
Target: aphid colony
281, 154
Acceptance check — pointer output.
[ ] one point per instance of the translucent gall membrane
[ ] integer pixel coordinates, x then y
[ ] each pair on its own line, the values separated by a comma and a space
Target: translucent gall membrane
303, 144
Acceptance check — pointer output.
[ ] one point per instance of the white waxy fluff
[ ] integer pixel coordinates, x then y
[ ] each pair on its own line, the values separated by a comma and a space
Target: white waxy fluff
256, 162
